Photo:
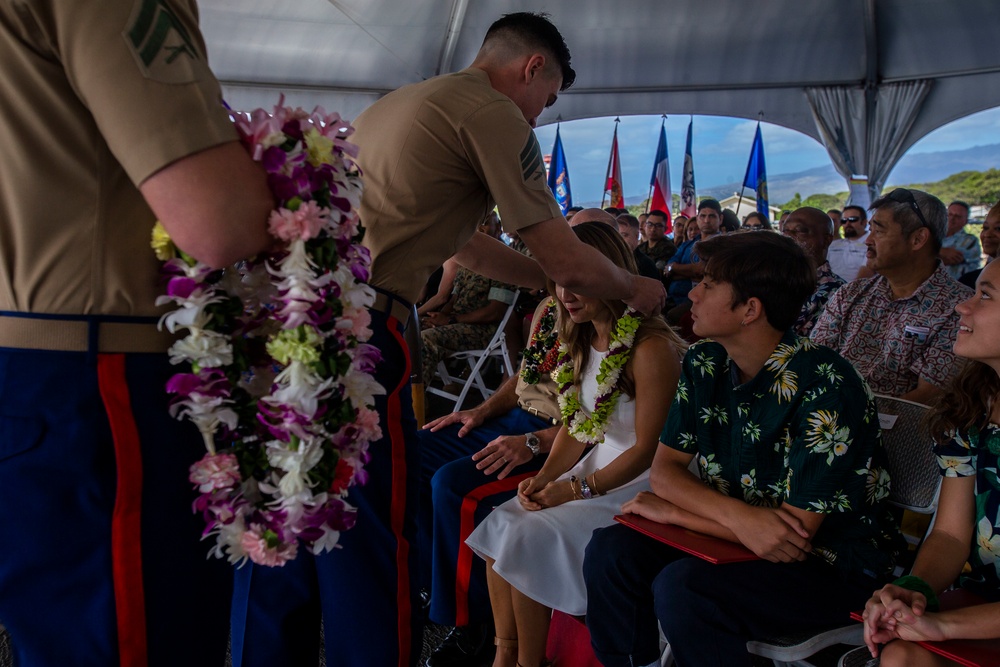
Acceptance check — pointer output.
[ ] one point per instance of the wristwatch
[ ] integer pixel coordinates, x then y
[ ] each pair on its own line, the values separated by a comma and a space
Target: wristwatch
531, 442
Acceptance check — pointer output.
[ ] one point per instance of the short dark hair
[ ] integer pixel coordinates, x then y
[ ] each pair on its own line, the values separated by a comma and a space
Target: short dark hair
834, 210
710, 203
864, 213
659, 213
574, 209
933, 209
769, 267
764, 222
536, 31
959, 202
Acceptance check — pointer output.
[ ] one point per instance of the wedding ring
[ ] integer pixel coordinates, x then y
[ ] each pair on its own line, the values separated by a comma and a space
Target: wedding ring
503, 459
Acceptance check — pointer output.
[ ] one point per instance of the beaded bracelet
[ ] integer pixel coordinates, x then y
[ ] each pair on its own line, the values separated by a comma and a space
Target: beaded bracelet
914, 583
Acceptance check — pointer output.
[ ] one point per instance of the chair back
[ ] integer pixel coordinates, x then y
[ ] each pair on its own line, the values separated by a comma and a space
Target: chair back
916, 478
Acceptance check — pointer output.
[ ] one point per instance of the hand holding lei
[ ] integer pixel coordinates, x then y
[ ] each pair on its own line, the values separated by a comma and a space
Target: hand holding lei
590, 428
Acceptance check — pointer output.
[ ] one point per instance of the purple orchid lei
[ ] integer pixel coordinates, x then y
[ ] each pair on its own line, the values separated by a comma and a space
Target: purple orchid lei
281, 380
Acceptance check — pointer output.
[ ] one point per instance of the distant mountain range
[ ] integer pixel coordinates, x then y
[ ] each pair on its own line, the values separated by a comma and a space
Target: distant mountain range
912, 168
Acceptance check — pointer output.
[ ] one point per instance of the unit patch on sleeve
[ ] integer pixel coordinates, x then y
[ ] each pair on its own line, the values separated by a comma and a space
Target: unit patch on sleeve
162, 45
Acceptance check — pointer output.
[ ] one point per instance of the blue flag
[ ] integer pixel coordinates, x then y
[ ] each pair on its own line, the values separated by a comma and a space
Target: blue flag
559, 176
756, 177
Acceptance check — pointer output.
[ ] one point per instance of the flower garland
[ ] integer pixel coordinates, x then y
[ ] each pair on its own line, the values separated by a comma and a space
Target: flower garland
542, 352
590, 428
280, 383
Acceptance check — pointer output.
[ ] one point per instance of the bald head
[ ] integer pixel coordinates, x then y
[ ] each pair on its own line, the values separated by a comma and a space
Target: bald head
813, 229
593, 215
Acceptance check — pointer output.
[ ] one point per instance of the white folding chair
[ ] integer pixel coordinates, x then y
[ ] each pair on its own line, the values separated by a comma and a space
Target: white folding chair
496, 349
916, 483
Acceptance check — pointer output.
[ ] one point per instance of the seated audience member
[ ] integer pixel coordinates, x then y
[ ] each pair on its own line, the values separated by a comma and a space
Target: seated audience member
685, 268
466, 322
848, 256
965, 423
642, 219
471, 461
756, 221
791, 465
444, 286
813, 230
899, 327
990, 238
680, 225
960, 251
534, 544
730, 221
691, 231
571, 211
781, 220
628, 226
657, 246
835, 215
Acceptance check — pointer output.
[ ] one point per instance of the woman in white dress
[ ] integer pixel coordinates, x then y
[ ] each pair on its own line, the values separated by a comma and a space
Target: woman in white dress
534, 544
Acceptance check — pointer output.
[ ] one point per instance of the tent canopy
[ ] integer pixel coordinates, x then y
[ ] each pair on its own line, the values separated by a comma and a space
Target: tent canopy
868, 78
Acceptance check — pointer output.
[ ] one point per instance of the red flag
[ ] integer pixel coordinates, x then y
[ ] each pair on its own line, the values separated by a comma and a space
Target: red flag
614, 180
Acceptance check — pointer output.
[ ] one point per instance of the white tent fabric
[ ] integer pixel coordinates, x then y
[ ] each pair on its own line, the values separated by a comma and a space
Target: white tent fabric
923, 63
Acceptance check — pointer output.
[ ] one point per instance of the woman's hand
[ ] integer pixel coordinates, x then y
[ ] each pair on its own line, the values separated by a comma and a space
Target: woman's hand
893, 612
535, 493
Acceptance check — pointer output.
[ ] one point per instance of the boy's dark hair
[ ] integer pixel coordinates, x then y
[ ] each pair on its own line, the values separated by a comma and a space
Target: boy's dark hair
535, 30
712, 204
769, 267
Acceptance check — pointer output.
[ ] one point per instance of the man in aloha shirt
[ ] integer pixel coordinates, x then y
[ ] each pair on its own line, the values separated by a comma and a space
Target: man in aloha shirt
898, 328
814, 231
800, 437
977, 453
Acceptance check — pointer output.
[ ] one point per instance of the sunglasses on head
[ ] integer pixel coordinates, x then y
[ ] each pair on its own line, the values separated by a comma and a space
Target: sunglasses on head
905, 197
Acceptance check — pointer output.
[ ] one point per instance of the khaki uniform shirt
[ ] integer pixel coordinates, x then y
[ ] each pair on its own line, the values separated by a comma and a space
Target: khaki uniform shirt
95, 97
437, 156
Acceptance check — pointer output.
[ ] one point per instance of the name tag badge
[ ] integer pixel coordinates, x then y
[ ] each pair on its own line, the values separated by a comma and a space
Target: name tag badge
919, 333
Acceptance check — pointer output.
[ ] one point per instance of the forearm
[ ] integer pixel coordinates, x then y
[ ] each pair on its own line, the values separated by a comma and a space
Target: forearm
626, 467
924, 393
694, 271
565, 451
977, 622
488, 314
940, 560
433, 303
491, 258
687, 492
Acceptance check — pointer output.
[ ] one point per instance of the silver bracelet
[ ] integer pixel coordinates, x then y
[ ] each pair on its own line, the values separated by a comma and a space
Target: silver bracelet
585, 489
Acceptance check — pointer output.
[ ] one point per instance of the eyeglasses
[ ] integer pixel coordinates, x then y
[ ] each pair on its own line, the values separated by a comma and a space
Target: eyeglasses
904, 196
753, 227
853, 218
658, 225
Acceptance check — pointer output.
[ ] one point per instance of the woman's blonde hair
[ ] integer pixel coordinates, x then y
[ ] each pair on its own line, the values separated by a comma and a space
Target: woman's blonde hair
579, 337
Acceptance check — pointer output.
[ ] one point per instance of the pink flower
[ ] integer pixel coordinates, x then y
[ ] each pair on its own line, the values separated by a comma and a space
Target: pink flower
367, 424
220, 471
257, 547
305, 223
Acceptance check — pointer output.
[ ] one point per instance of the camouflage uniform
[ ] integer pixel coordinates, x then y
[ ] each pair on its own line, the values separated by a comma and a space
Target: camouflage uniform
471, 292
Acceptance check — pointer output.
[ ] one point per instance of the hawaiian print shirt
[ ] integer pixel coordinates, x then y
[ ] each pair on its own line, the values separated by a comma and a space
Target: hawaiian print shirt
827, 282
977, 453
968, 245
895, 342
804, 431
473, 291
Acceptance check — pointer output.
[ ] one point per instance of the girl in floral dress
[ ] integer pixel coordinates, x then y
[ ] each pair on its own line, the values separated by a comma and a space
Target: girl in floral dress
966, 426
618, 401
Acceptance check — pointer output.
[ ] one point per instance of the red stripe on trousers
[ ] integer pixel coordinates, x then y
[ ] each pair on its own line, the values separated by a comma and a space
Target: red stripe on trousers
126, 545
467, 516
398, 508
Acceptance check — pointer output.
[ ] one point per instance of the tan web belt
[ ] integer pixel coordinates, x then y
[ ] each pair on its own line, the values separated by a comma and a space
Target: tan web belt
81, 334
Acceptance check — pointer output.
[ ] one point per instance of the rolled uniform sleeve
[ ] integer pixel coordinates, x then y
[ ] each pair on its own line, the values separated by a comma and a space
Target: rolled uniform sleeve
503, 150
117, 52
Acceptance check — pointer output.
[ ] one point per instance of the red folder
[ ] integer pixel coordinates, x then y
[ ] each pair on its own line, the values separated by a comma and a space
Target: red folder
706, 547
967, 652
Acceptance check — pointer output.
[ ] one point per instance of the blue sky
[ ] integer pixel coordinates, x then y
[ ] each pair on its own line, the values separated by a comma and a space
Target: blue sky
721, 148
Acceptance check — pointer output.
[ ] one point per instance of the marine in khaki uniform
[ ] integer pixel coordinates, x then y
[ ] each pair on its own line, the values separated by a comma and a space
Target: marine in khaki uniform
436, 156
106, 110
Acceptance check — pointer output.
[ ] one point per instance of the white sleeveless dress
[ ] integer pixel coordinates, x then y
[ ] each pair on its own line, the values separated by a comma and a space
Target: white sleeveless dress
540, 553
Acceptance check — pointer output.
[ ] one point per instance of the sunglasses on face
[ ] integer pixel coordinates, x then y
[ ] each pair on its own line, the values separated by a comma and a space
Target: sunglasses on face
905, 197
853, 218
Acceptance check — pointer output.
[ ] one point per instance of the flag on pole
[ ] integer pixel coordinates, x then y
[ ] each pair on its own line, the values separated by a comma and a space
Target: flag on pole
613, 184
689, 200
559, 176
756, 177
660, 179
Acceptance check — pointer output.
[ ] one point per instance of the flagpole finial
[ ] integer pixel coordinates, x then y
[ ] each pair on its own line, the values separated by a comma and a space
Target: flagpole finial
760, 115
617, 120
